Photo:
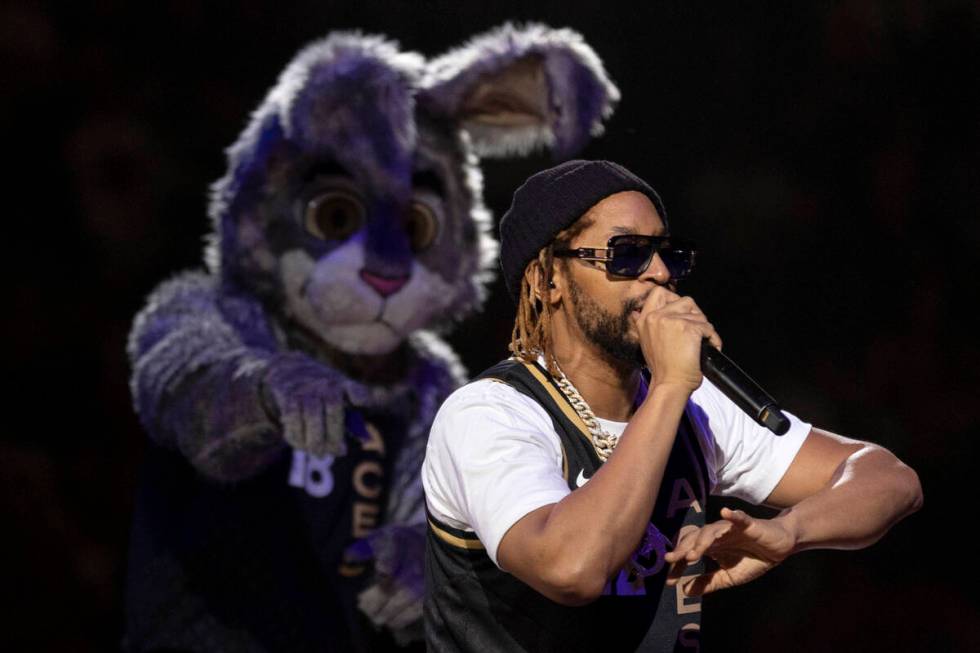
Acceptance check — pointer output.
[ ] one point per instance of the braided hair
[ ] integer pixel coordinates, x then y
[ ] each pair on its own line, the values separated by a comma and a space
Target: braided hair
531, 335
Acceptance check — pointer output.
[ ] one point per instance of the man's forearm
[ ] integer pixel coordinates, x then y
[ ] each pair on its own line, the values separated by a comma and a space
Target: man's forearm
870, 491
599, 525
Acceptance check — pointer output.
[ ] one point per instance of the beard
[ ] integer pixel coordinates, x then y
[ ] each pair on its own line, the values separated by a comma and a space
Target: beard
608, 331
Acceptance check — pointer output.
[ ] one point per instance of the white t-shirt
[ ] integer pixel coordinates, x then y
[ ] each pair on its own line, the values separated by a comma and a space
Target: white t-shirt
493, 456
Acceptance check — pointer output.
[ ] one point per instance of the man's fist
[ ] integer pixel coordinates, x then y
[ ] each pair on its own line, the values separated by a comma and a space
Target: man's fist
670, 329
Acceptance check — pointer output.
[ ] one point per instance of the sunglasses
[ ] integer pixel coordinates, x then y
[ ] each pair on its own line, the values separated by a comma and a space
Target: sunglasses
630, 255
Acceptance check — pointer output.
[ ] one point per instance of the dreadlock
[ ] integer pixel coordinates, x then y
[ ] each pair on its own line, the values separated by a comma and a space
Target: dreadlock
532, 326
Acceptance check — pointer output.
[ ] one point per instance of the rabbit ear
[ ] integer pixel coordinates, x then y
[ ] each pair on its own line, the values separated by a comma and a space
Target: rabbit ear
515, 89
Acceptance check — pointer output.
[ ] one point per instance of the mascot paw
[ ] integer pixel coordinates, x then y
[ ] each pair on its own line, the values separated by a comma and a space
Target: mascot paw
394, 599
395, 607
306, 398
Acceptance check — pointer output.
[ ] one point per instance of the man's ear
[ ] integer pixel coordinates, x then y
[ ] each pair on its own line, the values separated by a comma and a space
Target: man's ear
558, 282
554, 291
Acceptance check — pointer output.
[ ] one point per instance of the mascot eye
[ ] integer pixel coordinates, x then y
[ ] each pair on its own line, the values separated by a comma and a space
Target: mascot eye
421, 226
334, 215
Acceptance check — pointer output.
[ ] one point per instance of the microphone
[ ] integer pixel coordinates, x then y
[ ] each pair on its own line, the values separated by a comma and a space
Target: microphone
740, 388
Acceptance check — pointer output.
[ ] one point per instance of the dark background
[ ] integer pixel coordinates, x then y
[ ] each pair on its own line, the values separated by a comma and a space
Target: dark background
826, 156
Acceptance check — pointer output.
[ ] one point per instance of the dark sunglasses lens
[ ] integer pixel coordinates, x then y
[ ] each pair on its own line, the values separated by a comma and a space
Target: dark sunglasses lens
629, 257
632, 254
679, 261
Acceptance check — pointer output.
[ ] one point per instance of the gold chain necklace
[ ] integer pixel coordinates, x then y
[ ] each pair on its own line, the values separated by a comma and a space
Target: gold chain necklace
602, 440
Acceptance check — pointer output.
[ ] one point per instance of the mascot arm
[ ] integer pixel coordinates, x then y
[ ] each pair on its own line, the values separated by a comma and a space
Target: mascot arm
394, 599
208, 380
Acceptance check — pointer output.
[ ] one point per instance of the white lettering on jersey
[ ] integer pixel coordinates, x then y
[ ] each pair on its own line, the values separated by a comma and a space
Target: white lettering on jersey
312, 473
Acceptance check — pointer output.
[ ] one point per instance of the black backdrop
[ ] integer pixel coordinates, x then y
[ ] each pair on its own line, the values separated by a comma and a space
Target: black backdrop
825, 156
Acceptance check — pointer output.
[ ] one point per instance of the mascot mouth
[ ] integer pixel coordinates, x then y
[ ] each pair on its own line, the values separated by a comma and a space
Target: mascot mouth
380, 319
328, 321
391, 327
365, 366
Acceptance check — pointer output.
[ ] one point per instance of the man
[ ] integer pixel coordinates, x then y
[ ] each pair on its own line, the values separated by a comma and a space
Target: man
566, 491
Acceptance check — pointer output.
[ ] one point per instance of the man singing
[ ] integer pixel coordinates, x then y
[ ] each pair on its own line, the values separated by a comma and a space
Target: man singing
567, 485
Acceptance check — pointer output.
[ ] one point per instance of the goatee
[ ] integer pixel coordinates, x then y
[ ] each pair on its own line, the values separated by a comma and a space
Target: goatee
608, 331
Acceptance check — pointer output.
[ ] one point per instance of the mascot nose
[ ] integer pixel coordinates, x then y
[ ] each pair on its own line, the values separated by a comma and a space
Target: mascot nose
384, 286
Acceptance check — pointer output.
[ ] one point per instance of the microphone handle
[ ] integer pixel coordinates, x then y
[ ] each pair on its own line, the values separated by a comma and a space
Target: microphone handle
740, 388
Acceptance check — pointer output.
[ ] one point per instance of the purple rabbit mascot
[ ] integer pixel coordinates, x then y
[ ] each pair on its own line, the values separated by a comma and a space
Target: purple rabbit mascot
288, 389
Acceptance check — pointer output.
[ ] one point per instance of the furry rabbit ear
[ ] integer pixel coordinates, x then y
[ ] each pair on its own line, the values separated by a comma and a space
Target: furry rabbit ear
515, 89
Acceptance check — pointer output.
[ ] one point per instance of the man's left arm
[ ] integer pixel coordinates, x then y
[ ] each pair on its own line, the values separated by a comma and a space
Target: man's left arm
838, 493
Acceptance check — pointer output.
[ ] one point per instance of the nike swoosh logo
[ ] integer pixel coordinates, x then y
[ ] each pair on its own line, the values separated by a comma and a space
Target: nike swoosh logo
581, 480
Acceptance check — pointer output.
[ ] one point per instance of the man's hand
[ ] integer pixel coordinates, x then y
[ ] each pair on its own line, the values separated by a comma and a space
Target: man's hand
670, 330
743, 547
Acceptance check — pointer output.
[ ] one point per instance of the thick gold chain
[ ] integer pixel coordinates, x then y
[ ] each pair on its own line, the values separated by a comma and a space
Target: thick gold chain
602, 440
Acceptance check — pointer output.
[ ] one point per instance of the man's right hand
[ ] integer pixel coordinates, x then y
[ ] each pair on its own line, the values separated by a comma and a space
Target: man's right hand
670, 330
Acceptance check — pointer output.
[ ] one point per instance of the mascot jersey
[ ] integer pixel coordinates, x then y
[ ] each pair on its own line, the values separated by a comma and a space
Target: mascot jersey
271, 551
471, 605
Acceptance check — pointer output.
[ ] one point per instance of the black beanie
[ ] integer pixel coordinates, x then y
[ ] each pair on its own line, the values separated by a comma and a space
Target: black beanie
553, 199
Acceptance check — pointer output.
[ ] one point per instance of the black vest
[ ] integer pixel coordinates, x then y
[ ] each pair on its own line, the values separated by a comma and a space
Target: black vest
471, 605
